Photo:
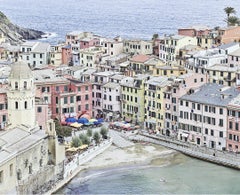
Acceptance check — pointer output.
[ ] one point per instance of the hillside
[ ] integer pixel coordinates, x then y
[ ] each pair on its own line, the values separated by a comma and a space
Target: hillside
14, 33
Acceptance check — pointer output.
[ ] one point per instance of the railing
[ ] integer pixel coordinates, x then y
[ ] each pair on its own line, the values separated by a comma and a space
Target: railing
208, 154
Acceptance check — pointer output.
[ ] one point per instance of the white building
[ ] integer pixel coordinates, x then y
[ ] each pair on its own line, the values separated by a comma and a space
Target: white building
111, 100
35, 54
30, 158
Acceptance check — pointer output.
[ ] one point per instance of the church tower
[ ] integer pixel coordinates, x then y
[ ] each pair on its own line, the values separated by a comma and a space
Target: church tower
21, 96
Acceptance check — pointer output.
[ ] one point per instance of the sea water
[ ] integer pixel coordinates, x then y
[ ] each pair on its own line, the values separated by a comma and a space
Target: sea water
184, 175
127, 18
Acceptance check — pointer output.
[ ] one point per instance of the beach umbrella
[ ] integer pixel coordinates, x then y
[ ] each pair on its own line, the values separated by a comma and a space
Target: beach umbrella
100, 120
70, 120
92, 120
82, 120
76, 125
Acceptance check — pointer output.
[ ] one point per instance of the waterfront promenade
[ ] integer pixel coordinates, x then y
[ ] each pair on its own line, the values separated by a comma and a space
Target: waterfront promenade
72, 168
219, 157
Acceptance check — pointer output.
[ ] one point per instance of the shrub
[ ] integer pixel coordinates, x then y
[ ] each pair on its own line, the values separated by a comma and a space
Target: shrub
104, 132
96, 137
76, 142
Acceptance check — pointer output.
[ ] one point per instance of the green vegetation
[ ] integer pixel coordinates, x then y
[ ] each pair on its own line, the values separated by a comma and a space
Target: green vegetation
96, 137
104, 132
76, 142
64, 131
84, 139
89, 133
231, 20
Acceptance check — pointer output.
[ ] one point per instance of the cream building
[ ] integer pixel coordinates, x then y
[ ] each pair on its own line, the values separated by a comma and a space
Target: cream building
30, 158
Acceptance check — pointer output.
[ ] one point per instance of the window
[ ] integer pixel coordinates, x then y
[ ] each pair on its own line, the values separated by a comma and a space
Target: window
57, 88
79, 88
86, 88
86, 97
212, 132
25, 85
11, 170
79, 107
16, 105
236, 126
30, 168
187, 104
86, 107
206, 131
206, 108
230, 124
65, 100
40, 55
198, 106
78, 98
4, 118
39, 109
220, 134
65, 88
1, 176
72, 99
25, 104
221, 122
220, 111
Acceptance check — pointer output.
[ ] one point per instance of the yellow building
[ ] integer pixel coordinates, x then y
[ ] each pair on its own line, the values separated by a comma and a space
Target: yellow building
170, 46
164, 69
133, 98
154, 102
56, 55
222, 74
91, 57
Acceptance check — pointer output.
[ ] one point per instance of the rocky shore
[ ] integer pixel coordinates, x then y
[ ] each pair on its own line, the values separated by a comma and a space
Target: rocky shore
16, 34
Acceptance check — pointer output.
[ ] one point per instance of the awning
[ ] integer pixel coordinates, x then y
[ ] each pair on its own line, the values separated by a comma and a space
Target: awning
185, 134
76, 125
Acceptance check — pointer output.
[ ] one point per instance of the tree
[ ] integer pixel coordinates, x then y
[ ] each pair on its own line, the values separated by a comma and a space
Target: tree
89, 132
96, 137
155, 36
229, 11
62, 130
84, 139
232, 21
76, 142
104, 132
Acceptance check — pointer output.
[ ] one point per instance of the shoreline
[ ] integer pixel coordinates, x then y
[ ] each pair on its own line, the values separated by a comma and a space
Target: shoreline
115, 158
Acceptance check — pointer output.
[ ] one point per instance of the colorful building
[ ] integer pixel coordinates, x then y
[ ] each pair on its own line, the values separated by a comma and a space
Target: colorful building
203, 115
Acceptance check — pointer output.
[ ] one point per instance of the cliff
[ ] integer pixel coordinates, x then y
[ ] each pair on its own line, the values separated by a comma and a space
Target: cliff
14, 33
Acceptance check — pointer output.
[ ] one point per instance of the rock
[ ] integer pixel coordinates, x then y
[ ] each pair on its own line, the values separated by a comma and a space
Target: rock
16, 34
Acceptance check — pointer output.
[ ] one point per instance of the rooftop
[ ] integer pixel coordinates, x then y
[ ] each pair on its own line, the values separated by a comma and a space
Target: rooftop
140, 58
160, 81
212, 94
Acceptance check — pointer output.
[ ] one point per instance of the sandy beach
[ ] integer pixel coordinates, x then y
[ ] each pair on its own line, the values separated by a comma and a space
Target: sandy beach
139, 153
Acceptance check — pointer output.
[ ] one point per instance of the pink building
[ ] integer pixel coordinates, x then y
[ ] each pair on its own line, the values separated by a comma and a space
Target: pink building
230, 34
181, 85
233, 120
65, 97
203, 115
3, 107
194, 31
88, 42
66, 54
